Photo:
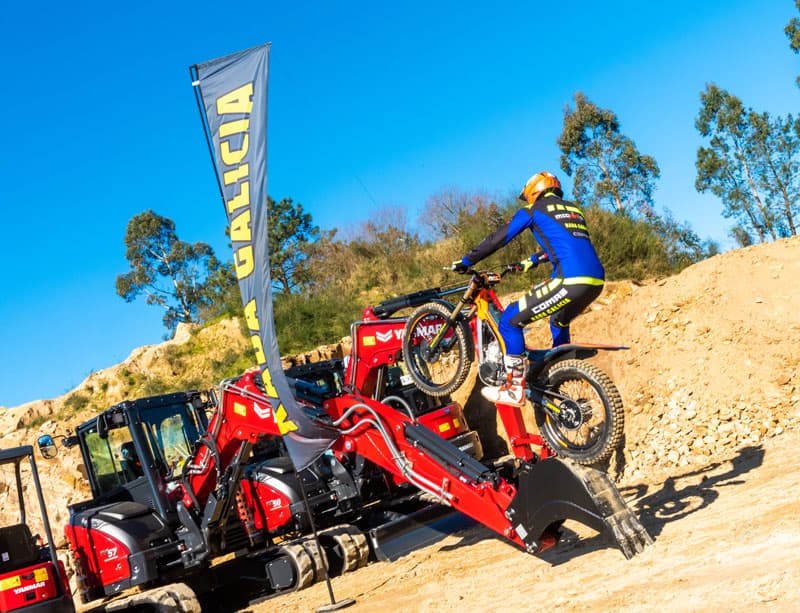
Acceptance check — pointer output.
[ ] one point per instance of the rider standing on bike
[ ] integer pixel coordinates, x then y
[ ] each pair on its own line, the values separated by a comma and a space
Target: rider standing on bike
578, 276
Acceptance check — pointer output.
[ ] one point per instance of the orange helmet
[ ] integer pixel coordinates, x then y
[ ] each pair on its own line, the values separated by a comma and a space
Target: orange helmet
538, 183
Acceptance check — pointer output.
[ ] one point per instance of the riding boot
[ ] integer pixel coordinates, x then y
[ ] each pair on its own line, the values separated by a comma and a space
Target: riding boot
512, 392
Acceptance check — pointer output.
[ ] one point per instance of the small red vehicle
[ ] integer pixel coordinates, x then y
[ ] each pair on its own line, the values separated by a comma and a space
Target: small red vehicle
32, 579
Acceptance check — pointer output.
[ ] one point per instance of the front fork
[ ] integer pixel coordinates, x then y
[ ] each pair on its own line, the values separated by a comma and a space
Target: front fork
445, 344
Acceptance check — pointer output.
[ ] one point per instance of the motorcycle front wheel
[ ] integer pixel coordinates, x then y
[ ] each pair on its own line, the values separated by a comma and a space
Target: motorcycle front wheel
443, 369
579, 411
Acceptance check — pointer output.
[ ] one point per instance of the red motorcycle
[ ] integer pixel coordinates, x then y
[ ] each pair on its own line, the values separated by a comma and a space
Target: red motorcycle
577, 407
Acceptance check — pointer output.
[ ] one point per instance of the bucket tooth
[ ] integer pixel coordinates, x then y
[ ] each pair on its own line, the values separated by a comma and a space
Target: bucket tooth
555, 490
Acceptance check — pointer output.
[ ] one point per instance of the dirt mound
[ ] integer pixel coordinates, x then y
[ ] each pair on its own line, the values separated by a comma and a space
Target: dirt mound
714, 357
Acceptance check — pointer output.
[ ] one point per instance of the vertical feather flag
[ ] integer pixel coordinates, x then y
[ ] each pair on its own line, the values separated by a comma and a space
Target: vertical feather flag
232, 94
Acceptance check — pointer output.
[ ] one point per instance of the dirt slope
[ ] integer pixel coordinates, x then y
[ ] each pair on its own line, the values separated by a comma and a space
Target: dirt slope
726, 538
712, 393
711, 387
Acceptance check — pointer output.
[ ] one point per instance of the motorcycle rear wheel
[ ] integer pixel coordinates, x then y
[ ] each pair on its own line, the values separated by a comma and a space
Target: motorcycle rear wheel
590, 421
444, 370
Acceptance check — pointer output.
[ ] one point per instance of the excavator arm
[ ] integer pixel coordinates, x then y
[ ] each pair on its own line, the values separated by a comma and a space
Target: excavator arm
529, 513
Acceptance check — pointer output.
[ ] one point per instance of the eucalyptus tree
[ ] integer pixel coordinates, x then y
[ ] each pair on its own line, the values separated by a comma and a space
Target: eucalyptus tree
607, 168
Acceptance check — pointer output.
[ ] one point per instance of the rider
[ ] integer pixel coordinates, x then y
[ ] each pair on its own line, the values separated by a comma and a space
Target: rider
578, 276
130, 463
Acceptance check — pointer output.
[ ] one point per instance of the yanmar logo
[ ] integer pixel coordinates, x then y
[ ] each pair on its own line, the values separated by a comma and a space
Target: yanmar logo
28, 588
385, 337
264, 412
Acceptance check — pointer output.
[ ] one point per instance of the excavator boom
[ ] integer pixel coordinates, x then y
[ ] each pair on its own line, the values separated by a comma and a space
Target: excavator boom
529, 513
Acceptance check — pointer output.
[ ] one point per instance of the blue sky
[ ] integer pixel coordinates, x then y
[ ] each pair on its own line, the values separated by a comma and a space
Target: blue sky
370, 102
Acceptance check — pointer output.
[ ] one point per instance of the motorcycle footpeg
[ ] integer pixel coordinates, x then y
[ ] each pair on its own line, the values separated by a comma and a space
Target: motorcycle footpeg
555, 490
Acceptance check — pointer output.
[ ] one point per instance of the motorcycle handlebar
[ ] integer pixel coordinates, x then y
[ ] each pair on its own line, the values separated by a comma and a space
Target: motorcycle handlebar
473, 272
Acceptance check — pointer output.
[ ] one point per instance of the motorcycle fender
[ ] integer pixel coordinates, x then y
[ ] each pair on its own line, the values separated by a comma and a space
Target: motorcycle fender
542, 359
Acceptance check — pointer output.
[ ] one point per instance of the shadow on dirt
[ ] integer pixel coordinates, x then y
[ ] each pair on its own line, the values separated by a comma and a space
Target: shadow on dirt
673, 502
679, 496
226, 600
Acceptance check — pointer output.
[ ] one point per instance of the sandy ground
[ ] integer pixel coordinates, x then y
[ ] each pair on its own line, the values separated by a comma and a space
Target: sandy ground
726, 538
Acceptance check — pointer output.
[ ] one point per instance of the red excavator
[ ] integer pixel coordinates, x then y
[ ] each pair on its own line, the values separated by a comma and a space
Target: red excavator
175, 490
32, 579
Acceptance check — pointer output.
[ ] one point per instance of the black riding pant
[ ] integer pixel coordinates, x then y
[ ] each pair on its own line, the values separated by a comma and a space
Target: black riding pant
562, 300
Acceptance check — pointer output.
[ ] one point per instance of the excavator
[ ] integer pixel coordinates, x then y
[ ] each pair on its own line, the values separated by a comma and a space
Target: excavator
193, 491
32, 578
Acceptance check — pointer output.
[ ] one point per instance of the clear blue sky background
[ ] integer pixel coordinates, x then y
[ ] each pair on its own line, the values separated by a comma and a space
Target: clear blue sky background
368, 100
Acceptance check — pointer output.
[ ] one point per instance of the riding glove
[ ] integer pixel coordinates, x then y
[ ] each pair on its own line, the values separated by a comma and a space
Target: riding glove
459, 267
528, 263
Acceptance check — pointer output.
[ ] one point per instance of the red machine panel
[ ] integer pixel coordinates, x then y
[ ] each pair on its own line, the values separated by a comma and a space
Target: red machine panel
105, 559
27, 586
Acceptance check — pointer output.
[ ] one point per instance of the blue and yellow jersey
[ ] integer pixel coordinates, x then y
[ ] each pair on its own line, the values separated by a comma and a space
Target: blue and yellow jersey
560, 229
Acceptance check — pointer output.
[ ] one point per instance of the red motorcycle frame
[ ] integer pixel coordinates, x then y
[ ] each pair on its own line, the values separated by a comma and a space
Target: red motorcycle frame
577, 407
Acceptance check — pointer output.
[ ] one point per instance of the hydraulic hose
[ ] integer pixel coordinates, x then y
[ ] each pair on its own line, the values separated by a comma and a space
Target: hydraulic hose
402, 464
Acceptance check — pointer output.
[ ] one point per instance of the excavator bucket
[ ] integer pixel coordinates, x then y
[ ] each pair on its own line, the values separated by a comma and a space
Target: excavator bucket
554, 490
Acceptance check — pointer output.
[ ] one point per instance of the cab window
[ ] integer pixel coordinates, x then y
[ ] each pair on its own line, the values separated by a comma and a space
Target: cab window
114, 459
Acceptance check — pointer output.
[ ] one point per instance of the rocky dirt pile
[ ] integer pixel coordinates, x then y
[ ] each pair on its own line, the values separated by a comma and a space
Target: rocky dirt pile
714, 357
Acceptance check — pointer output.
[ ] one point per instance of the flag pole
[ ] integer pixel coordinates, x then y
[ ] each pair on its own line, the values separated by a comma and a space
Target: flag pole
334, 605
198, 96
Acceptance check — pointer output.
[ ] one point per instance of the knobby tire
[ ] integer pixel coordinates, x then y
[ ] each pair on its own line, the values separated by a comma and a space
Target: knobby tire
452, 367
607, 400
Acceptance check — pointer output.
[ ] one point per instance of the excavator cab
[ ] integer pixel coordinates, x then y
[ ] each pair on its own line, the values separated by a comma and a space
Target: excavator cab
130, 530
134, 448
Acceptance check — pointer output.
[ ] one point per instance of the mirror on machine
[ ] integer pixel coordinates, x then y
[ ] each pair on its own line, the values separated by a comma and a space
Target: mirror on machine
47, 446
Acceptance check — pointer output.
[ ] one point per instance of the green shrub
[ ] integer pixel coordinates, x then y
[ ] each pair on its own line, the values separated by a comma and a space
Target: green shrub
231, 363
76, 402
152, 386
37, 421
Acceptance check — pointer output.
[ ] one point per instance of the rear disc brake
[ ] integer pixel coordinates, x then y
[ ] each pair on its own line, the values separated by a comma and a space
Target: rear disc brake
572, 414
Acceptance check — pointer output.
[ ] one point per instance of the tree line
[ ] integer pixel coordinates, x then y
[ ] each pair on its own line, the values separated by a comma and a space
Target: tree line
322, 280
